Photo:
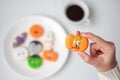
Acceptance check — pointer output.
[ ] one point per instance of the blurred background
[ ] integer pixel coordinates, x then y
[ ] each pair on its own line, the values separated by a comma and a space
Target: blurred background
104, 21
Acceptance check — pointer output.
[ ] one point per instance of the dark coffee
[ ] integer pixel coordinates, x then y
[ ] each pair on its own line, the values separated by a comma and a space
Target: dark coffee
75, 13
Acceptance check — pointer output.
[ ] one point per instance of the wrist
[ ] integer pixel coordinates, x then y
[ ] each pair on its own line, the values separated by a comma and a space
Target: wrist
105, 68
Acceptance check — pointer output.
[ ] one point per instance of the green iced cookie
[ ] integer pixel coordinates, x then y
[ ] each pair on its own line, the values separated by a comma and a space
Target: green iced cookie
34, 61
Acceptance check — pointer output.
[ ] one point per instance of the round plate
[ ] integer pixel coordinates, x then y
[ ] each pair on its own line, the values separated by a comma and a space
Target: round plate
48, 68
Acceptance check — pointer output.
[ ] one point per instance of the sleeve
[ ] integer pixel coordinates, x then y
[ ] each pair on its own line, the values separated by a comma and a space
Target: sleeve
113, 74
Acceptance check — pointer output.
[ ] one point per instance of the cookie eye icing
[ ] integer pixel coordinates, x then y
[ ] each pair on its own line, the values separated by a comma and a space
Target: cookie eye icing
78, 42
75, 42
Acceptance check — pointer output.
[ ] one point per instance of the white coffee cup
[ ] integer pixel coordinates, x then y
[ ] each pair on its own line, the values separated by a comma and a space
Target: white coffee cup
84, 7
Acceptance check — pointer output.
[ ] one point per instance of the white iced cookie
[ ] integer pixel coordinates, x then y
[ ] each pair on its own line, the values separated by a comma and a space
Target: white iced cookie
35, 47
48, 40
21, 53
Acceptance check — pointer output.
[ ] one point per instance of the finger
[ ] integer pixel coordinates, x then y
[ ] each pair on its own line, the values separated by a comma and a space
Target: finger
93, 48
94, 38
99, 52
78, 33
87, 58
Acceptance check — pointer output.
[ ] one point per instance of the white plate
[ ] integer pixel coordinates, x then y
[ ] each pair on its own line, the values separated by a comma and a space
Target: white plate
47, 69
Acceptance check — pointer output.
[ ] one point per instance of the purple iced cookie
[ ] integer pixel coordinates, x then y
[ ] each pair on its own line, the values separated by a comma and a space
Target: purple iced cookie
20, 40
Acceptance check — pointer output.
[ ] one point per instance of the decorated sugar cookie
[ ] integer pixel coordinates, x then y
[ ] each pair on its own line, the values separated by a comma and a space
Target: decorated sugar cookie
35, 47
21, 53
76, 42
34, 61
48, 40
36, 31
50, 55
20, 40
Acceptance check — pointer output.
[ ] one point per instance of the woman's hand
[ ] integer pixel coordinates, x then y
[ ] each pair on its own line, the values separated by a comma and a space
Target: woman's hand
102, 53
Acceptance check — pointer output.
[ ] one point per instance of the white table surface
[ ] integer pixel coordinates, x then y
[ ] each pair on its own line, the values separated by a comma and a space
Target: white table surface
105, 22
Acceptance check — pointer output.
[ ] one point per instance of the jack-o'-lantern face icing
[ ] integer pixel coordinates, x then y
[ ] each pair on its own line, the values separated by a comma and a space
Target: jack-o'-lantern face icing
76, 42
36, 31
50, 55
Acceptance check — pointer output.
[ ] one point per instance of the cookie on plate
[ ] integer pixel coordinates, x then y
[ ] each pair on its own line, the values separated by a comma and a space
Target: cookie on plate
36, 31
21, 53
48, 40
20, 40
35, 47
50, 55
34, 61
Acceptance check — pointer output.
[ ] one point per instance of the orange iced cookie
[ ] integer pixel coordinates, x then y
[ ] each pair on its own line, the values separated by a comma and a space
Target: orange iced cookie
50, 55
36, 31
76, 42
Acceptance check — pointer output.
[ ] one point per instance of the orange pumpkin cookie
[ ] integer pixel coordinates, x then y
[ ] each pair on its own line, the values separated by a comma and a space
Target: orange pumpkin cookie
50, 55
36, 31
76, 42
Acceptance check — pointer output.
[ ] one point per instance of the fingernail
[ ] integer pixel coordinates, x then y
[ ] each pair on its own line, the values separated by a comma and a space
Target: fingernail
83, 34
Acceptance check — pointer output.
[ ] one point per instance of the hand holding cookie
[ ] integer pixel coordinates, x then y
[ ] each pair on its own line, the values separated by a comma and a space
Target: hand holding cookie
102, 53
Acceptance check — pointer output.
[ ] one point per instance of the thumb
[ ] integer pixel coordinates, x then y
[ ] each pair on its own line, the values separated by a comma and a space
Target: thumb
87, 58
